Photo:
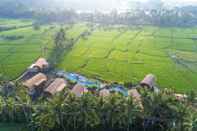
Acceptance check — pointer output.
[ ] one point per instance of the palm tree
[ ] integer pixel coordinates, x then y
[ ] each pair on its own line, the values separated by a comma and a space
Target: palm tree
88, 116
165, 112
133, 114
192, 98
71, 111
44, 118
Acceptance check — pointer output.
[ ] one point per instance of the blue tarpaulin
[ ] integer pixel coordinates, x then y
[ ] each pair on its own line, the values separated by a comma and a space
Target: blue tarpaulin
94, 84
76, 78
120, 89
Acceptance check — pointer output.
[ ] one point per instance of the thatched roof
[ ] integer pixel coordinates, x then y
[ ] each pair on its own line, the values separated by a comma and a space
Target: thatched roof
56, 86
41, 63
35, 81
104, 93
148, 81
180, 97
136, 97
79, 90
134, 94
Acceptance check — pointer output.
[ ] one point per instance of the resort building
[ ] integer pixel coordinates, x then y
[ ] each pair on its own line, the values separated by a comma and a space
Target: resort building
148, 81
56, 86
36, 81
79, 90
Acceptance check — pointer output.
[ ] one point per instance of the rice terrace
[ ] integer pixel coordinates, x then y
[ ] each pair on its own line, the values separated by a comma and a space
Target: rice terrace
98, 65
113, 53
20, 44
127, 54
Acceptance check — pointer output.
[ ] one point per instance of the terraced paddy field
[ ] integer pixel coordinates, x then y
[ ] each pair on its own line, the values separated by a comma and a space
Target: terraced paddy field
127, 54
122, 54
21, 45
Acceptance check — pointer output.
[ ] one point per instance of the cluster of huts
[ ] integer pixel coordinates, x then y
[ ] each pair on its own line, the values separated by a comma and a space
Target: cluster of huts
39, 81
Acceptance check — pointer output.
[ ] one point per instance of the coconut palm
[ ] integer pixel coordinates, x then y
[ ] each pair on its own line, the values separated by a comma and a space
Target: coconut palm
43, 117
134, 115
192, 98
88, 116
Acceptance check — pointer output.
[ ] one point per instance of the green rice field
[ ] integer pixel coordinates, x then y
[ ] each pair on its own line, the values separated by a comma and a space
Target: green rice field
17, 54
116, 53
127, 54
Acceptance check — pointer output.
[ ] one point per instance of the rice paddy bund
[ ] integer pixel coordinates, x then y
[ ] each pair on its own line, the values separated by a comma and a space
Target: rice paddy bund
122, 54
128, 54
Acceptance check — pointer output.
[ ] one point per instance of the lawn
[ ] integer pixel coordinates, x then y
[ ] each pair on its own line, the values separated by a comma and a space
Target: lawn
128, 55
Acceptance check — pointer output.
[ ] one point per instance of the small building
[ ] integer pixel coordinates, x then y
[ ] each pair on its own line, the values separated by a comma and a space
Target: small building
56, 86
136, 97
79, 90
104, 93
36, 81
180, 97
134, 94
148, 81
40, 64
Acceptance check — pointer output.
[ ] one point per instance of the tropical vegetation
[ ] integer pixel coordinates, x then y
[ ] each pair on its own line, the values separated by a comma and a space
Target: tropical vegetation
65, 111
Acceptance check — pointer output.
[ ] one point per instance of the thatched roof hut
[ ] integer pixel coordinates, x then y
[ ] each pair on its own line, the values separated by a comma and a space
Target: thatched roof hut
79, 90
41, 63
104, 93
136, 97
56, 86
134, 94
148, 81
180, 97
35, 81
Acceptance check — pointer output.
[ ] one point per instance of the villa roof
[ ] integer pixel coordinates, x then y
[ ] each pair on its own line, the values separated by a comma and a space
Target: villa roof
35, 81
180, 97
79, 90
149, 81
136, 97
41, 63
134, 94
56, 86
104, 93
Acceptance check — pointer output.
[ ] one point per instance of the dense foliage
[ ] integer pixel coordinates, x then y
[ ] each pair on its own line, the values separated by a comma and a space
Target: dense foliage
67, 112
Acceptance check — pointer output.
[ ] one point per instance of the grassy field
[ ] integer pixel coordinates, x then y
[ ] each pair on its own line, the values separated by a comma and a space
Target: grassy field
17, 53
128, 54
